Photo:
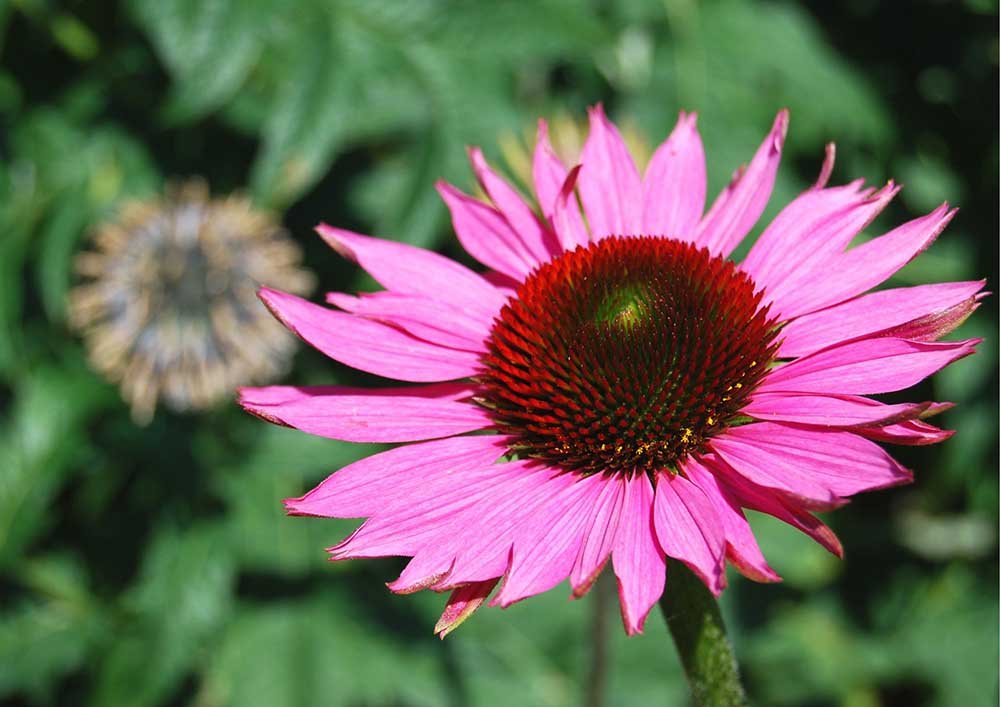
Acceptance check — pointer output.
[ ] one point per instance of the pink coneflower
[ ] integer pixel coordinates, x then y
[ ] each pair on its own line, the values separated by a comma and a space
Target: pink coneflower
639, 389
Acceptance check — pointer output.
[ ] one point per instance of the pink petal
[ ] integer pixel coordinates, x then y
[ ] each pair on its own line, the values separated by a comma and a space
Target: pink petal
787, 243
368, 345
924, 313
480, 548
689, 529
550, 177
462, 604
504, 284
407, 269
750, 495
817, 468
358, 490
599, 537
808, 236
547, 171
866, 367
409, 522
740, 204
370, 414
910, 432
741, 545
425, 318
829, 157
572, 232
540, 243
428, 567
486, 235
828, 410
862, 268
484, 551
610, 187
638, 561
543, 555
673, 188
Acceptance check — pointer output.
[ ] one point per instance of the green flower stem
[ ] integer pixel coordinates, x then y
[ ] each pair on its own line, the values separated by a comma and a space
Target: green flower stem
696, 626
603, 597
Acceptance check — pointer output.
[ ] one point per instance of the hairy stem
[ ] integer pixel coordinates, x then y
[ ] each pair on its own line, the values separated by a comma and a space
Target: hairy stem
603, 595
696, 626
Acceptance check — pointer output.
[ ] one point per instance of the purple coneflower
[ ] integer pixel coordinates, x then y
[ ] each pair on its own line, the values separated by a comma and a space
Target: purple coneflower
613, 386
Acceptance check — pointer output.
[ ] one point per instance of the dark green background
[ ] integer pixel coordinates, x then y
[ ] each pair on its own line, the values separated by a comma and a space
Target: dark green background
154, 566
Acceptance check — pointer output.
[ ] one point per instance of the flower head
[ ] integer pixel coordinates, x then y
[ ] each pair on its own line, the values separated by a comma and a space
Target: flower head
640, 389
169, 306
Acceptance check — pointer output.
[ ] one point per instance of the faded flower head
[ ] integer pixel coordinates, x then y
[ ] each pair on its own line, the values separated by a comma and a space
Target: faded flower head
613, 386
168, 305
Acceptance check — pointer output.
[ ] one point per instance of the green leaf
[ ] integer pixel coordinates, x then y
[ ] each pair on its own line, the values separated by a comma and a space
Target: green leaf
303, 131
170, 617
41, 641
209, 48
282, 463
801, 562
809, 653
326, 656
944, 633
38, 449
59, 236
67, 196
50, 633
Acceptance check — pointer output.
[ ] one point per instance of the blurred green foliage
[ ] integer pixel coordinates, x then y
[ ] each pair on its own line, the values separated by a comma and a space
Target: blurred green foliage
154, 566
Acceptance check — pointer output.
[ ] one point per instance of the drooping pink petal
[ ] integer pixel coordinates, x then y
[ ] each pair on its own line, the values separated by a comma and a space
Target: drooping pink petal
361, 488
843, 411
543, 555
673, 187
425, 516
404, 268
462, 604
910, 432
829, 157
737, 208
866, 367
537, 239
923, 313
550, 177
565, 221
867, 265
369, 345
425, 318
758, 498
638, 561
610, 186
371, 414
485, 551
599, 536
689, 529
817, 468
486, 235
809, 235
741, 545
480, 549
428, 567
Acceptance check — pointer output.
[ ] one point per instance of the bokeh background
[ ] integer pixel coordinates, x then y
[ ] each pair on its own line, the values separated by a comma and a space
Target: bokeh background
153, 565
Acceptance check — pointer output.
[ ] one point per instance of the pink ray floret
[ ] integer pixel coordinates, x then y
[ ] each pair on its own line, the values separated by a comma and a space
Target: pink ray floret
506, 483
